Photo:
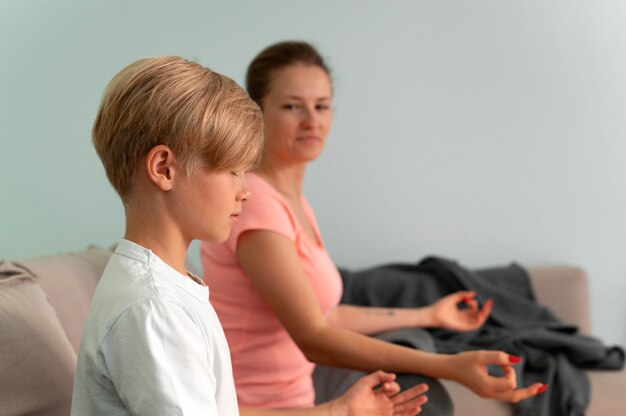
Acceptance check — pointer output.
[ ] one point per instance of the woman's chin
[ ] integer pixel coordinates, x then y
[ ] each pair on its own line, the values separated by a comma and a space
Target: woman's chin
310, 155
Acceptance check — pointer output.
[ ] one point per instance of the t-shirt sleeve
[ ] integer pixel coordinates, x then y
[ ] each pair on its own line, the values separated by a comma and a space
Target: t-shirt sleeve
156, 356
264, 210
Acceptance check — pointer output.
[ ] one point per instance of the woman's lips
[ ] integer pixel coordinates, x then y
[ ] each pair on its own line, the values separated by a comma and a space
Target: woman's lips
309, 139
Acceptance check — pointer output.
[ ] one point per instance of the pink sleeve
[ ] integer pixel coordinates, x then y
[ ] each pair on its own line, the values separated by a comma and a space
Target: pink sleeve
264, 210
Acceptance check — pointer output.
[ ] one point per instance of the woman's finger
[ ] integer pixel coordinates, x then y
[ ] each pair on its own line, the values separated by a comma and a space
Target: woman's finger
509, 376
515, 396
485, 311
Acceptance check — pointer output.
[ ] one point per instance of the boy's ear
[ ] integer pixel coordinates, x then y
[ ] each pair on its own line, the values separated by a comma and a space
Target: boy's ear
161, 166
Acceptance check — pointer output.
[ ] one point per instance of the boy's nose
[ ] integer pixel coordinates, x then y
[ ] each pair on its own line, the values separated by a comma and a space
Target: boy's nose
245, 194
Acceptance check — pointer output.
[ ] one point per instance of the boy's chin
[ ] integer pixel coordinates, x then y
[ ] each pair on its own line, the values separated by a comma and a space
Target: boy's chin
221, 240
216, 238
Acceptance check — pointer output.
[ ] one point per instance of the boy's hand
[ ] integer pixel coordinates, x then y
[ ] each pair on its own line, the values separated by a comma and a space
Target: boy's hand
470, 369
378, 394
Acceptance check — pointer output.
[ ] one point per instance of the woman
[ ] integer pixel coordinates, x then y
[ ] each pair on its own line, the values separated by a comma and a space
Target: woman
276, 268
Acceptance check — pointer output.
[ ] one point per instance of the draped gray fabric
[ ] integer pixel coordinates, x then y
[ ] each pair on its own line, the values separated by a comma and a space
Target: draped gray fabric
553, 352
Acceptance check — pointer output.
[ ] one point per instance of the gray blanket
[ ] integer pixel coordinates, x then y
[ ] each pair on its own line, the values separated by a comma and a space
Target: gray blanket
553, 352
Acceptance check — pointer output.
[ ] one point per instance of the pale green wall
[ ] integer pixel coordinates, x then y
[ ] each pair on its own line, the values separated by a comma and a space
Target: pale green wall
487, 131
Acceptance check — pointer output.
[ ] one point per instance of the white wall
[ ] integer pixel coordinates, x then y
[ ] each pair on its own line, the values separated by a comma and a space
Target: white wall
486, 131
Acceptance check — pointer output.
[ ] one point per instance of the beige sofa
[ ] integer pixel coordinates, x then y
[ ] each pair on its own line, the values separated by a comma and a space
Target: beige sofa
42, 309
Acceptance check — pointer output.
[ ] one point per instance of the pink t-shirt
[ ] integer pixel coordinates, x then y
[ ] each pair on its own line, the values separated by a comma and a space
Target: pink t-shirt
270, 370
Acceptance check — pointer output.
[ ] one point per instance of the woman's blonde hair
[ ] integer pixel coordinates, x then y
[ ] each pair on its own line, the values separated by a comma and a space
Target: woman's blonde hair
199, 114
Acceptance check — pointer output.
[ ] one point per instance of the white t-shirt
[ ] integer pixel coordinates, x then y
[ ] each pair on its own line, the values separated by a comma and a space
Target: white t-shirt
152, 344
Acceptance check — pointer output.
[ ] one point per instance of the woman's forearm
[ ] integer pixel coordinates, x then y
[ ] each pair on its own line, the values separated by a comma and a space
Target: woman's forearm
338, 347
371, 320
272, 263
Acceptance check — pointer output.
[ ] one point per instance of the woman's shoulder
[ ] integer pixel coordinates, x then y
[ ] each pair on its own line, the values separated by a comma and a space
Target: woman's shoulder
258, 185
265, 205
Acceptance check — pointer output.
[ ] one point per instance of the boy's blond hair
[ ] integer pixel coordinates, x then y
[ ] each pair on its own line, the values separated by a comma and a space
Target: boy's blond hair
181, 104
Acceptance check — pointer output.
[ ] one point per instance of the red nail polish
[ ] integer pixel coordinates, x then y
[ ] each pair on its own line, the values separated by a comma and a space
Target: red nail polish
543, 388
467, 299
513, 359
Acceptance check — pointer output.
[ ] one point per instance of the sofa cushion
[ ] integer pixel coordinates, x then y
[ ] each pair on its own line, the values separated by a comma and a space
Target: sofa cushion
571, 306
69, 281
37, 362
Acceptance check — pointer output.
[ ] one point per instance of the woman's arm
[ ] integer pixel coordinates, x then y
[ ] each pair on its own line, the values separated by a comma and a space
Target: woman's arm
272, 263
445, 313
371, 320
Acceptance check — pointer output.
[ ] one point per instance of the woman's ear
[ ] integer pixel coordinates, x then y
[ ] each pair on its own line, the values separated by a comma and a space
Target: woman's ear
161, 166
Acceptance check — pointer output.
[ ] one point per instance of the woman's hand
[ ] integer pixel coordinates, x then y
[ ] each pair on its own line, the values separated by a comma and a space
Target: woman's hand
470, 369
446, 313
378, 394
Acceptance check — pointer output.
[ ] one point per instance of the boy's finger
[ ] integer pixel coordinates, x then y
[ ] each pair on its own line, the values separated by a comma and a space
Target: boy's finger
377, 378
390, 388
409, 394
409, 412
411, 407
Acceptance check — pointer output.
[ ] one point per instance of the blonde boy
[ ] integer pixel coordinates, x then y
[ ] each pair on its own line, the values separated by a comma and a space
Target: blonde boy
175, 139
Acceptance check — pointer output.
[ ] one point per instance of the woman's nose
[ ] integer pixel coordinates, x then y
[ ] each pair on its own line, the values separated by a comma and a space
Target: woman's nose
309, 117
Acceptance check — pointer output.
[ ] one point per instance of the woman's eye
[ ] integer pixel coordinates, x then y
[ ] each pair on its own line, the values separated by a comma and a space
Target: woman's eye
291, 106
322, 107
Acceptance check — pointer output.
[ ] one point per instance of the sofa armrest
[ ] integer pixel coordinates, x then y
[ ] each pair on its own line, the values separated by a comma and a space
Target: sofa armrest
564, 290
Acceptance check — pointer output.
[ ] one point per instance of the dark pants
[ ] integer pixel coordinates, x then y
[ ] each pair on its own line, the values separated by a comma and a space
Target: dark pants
331, 382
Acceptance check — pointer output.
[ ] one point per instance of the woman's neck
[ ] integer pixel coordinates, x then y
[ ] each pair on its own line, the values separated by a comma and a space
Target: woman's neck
286, 179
